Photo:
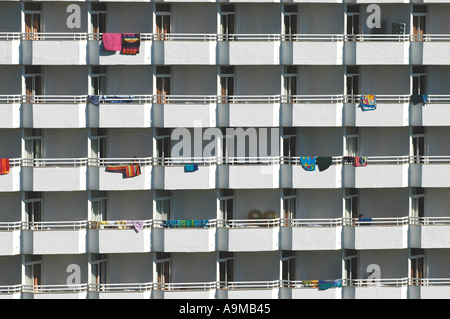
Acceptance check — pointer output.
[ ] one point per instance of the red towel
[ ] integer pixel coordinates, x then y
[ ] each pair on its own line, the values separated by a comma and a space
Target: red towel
4, 166
112, 41
127, 170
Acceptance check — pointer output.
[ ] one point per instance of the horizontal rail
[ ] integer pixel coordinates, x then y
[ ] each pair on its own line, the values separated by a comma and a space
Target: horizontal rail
312, 222
376, 221
51, 162
119, 224
55, 288
12, 289
56, 225
186, 286
145, 161
388, 282
119, 287
430, 220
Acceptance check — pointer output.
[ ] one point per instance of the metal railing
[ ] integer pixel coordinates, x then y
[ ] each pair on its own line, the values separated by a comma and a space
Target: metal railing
119, 287
55, 225
17, 98
377, 221
118, 224
387, 282
312, 222
103, 162
249, 284
192, 286
55, 162
429, 221
55, 288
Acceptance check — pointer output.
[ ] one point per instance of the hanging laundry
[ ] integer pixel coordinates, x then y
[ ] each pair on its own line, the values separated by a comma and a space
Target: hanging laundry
359, 161
368, 102
310, 283
137, 224
419, 98
323, 162
182, 223
326, 284
190, 168
127, 170
96, 99
308, 162
131, 43
118, 98
112, 41
4, 166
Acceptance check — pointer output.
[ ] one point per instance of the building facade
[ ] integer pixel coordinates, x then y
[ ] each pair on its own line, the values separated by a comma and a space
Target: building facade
238, 149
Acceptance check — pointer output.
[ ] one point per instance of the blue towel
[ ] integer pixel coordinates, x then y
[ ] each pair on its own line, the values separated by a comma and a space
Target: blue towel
96, 99
119, 98
365, 221
419, 98
368, 102
190, 168
326, 284
308, 162
182, 223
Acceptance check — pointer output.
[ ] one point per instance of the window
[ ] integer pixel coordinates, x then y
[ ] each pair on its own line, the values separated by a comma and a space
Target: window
419, 80
33, 145
351, 136
226, 271
32, 265
419, 16
350, 264
162, 205
290, 83
290, 20
226, 76
163, 79
162, 20
98, 19
289, 144
417, 203
33, 82
352, 83
418, 144
98, 205
227, 22
226, 198
351, 203
289, 199
417, 260
98, 143
352, 21
98, 270
98, 80
33, 209
163, 146
288, 265
32, 20
162, 265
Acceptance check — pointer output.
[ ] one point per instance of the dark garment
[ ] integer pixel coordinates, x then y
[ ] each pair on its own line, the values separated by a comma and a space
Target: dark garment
417, 99
323, 162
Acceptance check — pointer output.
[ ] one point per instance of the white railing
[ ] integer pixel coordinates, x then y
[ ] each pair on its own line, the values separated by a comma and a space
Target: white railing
429, 221
250, 284
127, 287
203, 223
54, 99
10, 35
55, 288
377, 37
174, 161
10, 226
52, 162
185, 36
430, 281
118, 224
11, 98
252, 223
145, 161
313, 37
312, 222
376, 221
55, 36
12, 289
388, 282
192, 286
56, 225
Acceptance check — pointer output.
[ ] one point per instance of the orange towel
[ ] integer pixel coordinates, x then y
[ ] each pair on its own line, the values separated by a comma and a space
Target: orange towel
4, 166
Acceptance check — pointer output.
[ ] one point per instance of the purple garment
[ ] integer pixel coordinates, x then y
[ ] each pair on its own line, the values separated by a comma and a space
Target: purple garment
138, 224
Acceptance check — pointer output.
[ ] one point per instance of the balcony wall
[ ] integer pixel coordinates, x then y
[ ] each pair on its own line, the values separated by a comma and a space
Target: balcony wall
50, 241
11, 115
376, 237
110, 181
200, 52
385, 114
435, 52
311, 237
59, 52
329, 178
376, 176
54, 178
316, 114
435, 175
249, 176
382, 53
11, 242
144, 57
317, 52
11, 182
184, 115
57, 115
184, 239
261, 52
429, 236
174, 177
248, 238
116, 241
10, 52
253, 115
117, 115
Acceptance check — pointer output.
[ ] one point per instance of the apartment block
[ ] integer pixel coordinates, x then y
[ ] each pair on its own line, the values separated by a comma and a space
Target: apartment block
224, 149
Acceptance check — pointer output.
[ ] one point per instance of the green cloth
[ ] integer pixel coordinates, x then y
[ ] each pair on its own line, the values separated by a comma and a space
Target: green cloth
323, 162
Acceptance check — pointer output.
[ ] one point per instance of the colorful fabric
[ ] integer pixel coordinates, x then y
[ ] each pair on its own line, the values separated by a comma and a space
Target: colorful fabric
308, 162
137, 224
323, 162
190, 168
359, 161
127, 170
131, 43
181, 223
112, 41
4, 166
368, 102
326, 284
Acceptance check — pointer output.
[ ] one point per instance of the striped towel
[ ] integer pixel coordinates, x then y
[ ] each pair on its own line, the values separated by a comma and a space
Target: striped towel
127, 170
326, 284
130, 43
181, 223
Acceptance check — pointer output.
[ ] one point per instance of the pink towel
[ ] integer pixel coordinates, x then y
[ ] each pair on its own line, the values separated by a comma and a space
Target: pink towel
112, 41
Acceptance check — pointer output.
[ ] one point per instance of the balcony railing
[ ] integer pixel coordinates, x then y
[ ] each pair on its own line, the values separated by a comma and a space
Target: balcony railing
55, 162
126, 287
388, 282
444, 221
118, 224
377, 221
56, 225
55, 288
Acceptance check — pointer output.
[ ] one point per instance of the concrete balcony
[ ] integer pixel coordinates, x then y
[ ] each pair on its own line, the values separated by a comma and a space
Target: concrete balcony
11, 292
249, 235
317, 49
177, 176
432, 288
105, 179
251, 49
436, 112
11, 111
112, 237
11, 182
430, 232
10, 237
187, 291
373, 49
301, 178
55, 49
434, 171
10, 48
379, 233
125, 112
391, 111
184, 239
434, 48
376, 289
314, 111
312, 234
250, 111
198, 49
298, 290
249, 290
250, 175
46, 175
380, 172
144, 57
184, 111
55, 112
75, 291
52, 238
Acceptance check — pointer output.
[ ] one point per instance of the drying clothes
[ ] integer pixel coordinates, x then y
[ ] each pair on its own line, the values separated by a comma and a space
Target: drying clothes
359, 161
127, 170
112, 41
419, 98
323, 162
190, 168
4, 166
310, 283
364, 221
137, 224
308, 162
117, 98
131, 43
181, 223
326, 284
368, 102
96, 99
